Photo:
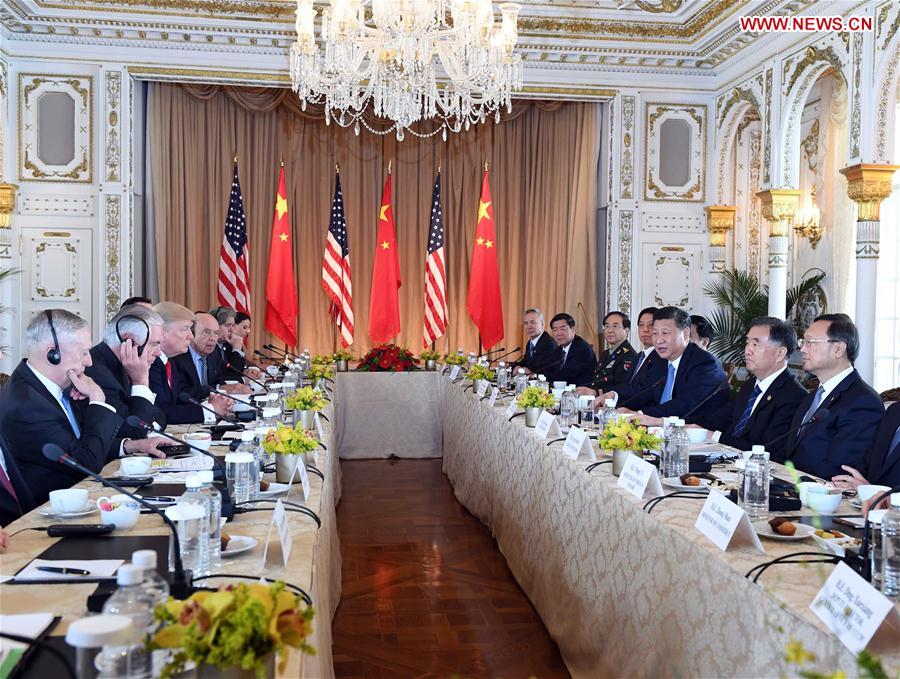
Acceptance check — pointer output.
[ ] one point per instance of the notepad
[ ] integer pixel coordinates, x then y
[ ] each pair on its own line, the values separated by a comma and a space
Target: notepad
99, 568
194, 463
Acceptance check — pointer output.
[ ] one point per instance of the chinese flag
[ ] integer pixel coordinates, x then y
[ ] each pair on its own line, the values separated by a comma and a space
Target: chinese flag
384, 306
484, 304
281, 286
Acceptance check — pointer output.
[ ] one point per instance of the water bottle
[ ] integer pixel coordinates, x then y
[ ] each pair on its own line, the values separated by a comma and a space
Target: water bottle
586, 412
890, 550
542, 383
238, 473
248, 445
521, 381
755, 487
130, 659
90, 635
194, 495
680, 453
471, 360
215, 519
875, 516
155, 586
567, 407
608, 413
502, 376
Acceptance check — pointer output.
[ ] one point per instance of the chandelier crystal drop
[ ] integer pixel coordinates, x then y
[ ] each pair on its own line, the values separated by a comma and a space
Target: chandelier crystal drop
412, 60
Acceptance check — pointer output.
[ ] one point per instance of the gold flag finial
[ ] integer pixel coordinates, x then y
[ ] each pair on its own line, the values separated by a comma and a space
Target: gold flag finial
485, 166
282, 160
337, 168
439, 167
235, 157
389, 165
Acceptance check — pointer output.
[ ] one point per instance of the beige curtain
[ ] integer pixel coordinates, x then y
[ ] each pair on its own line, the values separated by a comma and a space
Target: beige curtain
543, 160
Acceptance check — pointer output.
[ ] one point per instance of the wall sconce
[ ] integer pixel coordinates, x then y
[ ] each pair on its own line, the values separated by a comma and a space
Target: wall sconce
808, 226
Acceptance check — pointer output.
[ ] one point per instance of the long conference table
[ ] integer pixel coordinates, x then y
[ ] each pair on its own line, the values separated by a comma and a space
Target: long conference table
621, 591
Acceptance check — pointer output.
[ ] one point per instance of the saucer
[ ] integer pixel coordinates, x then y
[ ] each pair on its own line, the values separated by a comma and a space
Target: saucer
50, 514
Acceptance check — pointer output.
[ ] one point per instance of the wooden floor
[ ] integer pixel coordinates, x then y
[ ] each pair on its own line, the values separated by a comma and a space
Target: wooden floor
426, 592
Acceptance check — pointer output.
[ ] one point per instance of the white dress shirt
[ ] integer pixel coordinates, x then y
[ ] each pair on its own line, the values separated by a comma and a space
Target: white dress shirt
763, 385
829, 385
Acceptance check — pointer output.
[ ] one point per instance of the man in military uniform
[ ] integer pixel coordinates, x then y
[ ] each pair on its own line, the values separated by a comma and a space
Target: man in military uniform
616, 362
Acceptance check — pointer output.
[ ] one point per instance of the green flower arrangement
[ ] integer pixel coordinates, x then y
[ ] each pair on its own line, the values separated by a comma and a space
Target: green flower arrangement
455, 359
323, 359
320, 371
868, 665
625, 435
480, 372
305, 398
236, 626
287, 440
342, 355
430, 355
535, 397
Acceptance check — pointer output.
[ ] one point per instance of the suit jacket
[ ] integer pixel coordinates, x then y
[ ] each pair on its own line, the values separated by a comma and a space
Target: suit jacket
613, 367
878, 467
541, 359
844, 437
167, 400
771, 419
109, 373
699, 375
30, 417
190, 379
579, 365
232, 358
653, 363
11, 508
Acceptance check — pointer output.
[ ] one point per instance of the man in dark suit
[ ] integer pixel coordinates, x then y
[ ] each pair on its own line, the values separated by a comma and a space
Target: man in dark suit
821, 446
539, 345
167, 382
692, 377
120, 365
15, 495
202, 366
762, 412
646, 359
881, 464
574, 360
617, 359
701, 331
49, 399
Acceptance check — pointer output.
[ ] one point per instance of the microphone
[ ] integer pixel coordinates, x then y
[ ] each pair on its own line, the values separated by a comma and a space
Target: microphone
227, 504
543, 368
492, 351
494, 360
266, 357
235, 371
283, 352
820, 415
246, 403
181, 579
641, 391
185, 397
715, 391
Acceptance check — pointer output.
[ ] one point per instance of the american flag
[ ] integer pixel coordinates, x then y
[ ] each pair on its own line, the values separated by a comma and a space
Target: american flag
435, 273
336, 267
234, 275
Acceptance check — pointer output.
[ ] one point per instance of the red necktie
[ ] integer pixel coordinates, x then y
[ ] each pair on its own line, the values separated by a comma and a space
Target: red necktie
7, 484
169, 373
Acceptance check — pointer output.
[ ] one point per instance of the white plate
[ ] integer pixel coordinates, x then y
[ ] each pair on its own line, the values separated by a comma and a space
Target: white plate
836, 546
50, 514
275, 489
763, 529
675, 482
238, 545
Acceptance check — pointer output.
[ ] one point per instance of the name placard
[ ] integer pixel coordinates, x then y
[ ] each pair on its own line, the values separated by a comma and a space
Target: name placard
511, 409
547, 425
495, 392
578, 443
850, 607
299, 468
454, 372
724, 523
482, 388
639, 477
283, 528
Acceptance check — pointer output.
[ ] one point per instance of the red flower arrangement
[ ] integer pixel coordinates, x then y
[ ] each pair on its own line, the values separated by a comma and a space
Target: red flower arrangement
388, 358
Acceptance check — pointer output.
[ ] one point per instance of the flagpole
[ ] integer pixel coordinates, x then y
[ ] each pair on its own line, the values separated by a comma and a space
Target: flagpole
335, 312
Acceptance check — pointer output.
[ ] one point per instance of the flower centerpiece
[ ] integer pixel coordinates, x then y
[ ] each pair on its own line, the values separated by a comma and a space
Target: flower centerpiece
305, 401
286, 441
318, 373
534, 400
457, 358
322, 359
623, 437
342, 359
388, 358
430, 357
239, 626
479, 374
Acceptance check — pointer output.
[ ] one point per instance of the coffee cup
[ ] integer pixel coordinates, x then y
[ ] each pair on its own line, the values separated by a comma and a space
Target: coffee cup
198, 439
68, 500
137, 465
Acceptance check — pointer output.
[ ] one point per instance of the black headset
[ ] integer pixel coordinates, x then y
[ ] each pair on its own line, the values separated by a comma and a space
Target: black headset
119, 334
54, 357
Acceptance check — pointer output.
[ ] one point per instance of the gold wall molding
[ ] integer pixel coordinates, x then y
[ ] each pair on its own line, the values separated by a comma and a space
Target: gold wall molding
737, 94
113, 223
113, 154
7, 204
868, 185
694, 190
626, 175
811, 56
719, 221
626, 243
778, 207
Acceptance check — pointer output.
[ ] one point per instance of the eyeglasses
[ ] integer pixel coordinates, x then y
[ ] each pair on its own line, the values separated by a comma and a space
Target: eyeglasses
803, 341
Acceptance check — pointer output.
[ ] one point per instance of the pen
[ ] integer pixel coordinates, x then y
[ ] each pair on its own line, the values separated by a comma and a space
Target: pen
159, 498
64, 571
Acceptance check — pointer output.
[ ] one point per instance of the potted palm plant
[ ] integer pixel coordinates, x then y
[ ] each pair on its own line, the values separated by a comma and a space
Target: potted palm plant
305, 402
285, 442
533, 400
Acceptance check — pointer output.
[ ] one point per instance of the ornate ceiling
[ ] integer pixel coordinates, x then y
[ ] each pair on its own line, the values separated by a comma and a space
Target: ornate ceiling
582, 45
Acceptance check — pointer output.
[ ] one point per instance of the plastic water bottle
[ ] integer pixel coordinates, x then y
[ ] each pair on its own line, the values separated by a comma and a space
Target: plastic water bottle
586, 411
521, 381
542, 383
91, 634
890, 550
215, 519
502, 375
471, 360
608, 413
193, 495
680, 451
239, 473
155, 586
567, 407
248, 445
131, 600
755, 487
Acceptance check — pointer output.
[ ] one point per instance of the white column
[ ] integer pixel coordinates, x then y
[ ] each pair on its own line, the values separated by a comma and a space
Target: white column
867, 248
778, 262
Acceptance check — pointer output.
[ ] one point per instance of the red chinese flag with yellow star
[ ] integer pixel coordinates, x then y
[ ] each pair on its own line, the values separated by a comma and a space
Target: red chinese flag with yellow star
484, 305
281, 286
384, 305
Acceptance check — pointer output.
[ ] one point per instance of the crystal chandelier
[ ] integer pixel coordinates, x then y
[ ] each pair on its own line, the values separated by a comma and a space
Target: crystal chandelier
410, 59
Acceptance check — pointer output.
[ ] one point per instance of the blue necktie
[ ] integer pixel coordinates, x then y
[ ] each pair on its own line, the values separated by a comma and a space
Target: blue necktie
745, 416
670, 385
67, 406
637, 366
817, 399
203, 379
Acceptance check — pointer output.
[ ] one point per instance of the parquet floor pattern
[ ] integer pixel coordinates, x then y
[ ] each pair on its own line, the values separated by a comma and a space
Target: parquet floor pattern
426, 592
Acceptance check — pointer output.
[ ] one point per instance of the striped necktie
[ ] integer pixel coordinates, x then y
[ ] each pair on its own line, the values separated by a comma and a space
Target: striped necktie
817, 399
748, 411
67, 407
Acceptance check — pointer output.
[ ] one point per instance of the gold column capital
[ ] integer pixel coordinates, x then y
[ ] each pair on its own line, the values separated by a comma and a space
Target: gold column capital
779, 206
868, 185
7, 204
719, 221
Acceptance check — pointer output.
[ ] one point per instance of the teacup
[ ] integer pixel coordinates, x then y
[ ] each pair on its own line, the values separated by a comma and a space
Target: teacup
125, 514
559, 384
138, 465
803, 490
868, 491
820, 499
198, 439
697, 435
68, 500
